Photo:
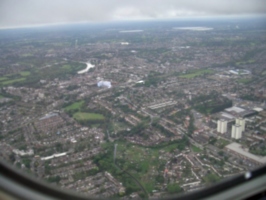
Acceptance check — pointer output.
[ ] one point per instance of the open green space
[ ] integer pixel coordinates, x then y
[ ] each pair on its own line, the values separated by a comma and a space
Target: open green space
210, 103
12, 81
3, 78
146, 164
245, 62
194, 73
1, 96
211, 178
81, 116
196, 149
245, 80
25, 73
75, 106
32, 76
26, 55
221, 143
68, 67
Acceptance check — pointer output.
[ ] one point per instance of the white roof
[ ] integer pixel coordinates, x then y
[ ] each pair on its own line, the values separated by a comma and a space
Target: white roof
235, 109
228, 116
258, 109
237, 148
104, 84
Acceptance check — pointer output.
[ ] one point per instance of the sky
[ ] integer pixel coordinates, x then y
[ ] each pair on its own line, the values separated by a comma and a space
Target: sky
19, 13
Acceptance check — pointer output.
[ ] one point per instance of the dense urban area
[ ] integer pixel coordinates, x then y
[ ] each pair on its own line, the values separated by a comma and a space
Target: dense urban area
134, 110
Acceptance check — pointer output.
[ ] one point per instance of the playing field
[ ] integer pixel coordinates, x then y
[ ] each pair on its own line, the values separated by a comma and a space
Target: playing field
74, 106
197, 73
88, 116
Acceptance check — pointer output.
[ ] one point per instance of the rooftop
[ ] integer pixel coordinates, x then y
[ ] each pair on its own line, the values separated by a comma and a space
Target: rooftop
235, 109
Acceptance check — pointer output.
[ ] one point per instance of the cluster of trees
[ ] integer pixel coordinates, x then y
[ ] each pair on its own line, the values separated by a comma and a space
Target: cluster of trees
211, 178
83, 175
191, 128
54, 179
212, 103
174, 188
72, 87
162, 129
258, 150
153, 79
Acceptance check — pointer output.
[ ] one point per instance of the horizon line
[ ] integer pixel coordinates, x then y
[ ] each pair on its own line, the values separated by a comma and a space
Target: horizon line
212, 17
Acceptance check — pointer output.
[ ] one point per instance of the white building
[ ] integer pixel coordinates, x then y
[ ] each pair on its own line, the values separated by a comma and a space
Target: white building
241, 122
221, 126
236, 131
105, 84
233, 132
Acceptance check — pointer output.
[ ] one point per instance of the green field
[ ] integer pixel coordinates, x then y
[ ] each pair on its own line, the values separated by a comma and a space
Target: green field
245, 80
221, 143
195, 73
12, 81
1, 96
68, 67
245, 62
146, 164
196, 149
25, 73
75, 106
87, 116
26, 54
33, 76
3, 78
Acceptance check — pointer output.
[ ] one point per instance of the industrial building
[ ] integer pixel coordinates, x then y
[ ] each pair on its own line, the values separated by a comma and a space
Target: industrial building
221, 126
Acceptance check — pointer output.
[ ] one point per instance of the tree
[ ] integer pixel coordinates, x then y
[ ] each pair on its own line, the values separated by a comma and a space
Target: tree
174, 188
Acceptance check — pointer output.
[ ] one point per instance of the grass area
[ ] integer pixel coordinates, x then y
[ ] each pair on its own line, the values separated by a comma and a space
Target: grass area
140, 162
211, 178
75, 106
25, 73
87, 116
1, 96
221, 143
245, 62
245, 80
26, 54
146, 164
32, 76
195, 73
13, 81
3, 78
196, 149
68, 67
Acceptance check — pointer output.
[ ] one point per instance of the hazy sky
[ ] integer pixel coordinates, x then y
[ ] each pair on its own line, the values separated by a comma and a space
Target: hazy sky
34, 12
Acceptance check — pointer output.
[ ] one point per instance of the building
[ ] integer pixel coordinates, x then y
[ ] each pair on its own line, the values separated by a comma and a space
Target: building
49, 122
105, 84
221, 126
236, 131
233, 132
241, 122
236, 149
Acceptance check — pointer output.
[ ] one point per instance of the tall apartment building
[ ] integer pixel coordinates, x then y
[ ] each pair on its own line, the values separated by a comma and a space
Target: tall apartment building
221, 126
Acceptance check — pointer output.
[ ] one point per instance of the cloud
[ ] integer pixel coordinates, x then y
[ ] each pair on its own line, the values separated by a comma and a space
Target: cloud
32, 12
